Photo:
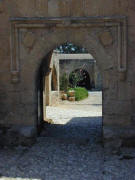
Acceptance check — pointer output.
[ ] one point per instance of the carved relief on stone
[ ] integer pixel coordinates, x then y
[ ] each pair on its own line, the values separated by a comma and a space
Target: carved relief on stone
14, 77
106, 38
122, 75
29, 41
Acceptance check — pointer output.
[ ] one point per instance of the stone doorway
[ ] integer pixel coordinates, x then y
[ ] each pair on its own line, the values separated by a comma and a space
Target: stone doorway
78, 121
104, 38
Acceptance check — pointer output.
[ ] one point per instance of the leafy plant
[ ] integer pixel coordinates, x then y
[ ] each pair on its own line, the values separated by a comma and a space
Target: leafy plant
64, 83
75, 77
80, 93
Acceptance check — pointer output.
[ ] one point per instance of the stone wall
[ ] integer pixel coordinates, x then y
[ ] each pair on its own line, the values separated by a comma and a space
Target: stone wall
25, 41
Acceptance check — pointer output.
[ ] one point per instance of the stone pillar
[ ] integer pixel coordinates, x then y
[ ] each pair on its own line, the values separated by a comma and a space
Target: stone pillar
47, 92
58, 77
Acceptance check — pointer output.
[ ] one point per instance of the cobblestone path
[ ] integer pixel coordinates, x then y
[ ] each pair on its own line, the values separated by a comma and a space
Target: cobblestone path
69, 149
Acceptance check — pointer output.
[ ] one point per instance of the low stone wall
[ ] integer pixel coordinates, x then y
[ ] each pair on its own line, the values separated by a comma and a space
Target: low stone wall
17, 135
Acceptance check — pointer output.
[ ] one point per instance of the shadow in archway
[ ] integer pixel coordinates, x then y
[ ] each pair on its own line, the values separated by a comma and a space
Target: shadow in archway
85, 130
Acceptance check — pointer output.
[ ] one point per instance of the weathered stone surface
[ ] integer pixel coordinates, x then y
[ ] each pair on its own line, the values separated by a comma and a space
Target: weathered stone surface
29, 40
113, 145
77, 8
16, 135
1, 8
113, 132
42, 8
53, 8
118, 97
25, 8
28, 131
106, 38
91, 8
64, 8
117, 120
118, 107
15, 77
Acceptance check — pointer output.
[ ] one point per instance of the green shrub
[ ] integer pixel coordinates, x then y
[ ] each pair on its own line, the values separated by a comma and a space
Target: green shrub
75, 78
80, 93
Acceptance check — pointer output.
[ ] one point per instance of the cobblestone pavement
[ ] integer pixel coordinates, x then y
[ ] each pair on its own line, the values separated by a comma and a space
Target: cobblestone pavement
69, 149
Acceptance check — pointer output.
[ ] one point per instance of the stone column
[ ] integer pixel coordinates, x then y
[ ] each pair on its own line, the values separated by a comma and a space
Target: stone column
47, 92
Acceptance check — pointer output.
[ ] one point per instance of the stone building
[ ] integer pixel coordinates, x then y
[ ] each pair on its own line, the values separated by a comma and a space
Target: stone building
71, 63
31, 29
62, 64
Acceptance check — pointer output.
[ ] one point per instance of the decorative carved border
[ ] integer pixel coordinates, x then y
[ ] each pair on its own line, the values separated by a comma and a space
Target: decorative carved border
119, 22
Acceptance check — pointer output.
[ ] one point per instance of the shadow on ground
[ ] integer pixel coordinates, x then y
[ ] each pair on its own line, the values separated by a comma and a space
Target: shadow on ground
67, 152
62, 152
78, 129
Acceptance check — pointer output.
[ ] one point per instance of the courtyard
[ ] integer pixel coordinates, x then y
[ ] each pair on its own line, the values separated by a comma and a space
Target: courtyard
76, 121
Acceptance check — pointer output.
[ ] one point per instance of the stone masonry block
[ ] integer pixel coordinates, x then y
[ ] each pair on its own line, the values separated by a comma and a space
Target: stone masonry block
64, 7
26, 8
77, 8
42, 7
117, 120
53, 8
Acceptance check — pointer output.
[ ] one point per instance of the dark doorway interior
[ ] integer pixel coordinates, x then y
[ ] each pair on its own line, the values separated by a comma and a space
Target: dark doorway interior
83, 76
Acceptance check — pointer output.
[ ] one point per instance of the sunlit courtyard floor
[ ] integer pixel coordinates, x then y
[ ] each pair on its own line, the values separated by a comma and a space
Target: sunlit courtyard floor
69, 149
76, 121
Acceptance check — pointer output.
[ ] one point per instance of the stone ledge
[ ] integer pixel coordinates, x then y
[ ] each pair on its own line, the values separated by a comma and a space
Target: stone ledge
117, 137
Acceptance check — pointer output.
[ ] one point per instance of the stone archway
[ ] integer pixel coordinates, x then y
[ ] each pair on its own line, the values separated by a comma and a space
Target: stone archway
102, 37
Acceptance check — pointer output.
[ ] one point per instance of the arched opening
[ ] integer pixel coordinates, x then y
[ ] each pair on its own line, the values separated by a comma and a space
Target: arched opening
83, 78
68, 112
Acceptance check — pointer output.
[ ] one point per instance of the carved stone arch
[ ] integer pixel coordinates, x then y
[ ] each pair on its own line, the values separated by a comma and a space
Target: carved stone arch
46, 34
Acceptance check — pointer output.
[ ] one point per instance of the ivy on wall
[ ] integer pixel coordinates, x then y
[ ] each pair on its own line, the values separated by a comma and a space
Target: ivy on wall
69, 48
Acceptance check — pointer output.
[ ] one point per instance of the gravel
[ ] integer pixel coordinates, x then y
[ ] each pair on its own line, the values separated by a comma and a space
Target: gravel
69, 149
